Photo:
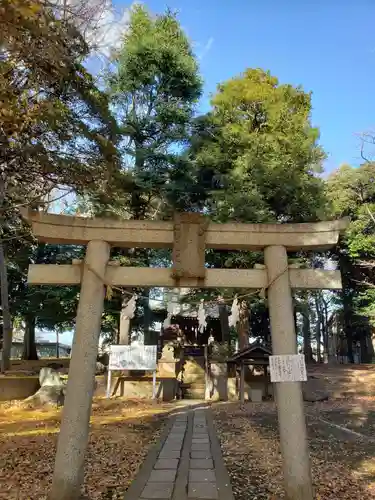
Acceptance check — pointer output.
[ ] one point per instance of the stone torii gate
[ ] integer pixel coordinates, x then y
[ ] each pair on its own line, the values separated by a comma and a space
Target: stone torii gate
189, 235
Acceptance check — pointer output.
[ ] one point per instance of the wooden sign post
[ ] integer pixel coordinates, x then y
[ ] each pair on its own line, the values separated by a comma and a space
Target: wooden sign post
133, 357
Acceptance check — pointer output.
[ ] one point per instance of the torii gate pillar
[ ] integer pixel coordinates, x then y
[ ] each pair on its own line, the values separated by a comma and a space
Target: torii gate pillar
289, 401
75, 422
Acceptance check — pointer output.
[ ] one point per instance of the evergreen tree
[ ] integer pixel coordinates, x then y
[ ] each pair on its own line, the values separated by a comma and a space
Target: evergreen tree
351, 192
258, 152
256, 157
154, 87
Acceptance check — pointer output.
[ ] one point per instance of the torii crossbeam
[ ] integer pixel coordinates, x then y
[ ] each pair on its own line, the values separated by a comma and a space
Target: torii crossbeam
150, 234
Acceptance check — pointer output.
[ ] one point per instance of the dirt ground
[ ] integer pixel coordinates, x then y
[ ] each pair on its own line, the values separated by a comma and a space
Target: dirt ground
343, 462
122, 432
121, 435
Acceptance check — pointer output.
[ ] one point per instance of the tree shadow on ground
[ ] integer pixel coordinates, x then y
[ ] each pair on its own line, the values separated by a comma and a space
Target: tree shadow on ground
341, 462
117, 447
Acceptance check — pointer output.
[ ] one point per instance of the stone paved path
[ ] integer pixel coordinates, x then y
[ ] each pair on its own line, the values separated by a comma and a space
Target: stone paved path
185, 464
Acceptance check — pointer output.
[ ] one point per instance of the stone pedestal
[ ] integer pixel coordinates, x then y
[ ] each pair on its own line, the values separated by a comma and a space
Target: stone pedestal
168, 388
167, 369
168, 379
256, 394
218, 381
170, 368
140, 388
232, 389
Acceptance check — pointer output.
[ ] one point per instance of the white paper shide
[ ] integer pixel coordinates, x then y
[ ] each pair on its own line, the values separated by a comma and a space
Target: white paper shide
288, 368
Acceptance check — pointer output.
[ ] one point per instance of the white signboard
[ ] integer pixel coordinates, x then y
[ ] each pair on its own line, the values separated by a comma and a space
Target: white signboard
288, 368
133, 357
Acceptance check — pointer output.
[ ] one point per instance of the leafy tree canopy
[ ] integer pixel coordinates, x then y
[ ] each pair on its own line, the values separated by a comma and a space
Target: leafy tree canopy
259, 153
154, 86
56, 125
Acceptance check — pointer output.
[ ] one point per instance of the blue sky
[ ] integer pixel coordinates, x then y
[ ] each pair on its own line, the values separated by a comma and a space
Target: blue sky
327, 46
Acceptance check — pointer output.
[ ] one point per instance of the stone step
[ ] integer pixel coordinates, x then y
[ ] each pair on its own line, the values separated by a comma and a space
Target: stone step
195, 394
194, 385
195, 389
190, 379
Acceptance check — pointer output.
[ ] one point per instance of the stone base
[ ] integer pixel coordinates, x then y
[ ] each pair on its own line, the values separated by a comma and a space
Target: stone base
167, 369
36, 365
256, 395
218, 383
16, 387
13, 387
254, 384
126, 387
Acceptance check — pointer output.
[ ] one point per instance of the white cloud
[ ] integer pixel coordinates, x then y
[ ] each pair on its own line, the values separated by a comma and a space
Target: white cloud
206, 48
99, 22
108, 31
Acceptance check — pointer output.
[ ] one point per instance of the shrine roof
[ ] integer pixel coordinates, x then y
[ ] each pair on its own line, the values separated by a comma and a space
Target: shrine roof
254, 351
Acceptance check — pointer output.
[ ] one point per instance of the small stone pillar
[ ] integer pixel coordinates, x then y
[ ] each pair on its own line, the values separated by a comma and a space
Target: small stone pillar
74, 432
167, 372
292, 424
218, 373
219, 381
218, 390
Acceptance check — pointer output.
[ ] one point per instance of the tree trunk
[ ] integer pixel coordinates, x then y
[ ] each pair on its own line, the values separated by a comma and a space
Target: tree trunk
57, 344
370, 349
347, 301
295, 320
325, 339
333, 341
117, 332
324, 312
224, 322
7, 322
124, 337
348, 316
243, 326
366, 348
318, 331
147, 313
29, 346
307, 350
349, 337
318, 342
147, 318
265, 322
325, 347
